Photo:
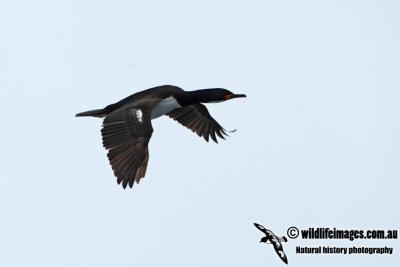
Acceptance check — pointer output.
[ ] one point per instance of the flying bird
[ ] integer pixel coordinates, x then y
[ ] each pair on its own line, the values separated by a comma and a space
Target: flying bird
274, 240
127, 125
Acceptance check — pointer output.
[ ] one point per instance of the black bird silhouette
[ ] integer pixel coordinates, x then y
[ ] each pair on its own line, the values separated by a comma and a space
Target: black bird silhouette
127, 125
274, 240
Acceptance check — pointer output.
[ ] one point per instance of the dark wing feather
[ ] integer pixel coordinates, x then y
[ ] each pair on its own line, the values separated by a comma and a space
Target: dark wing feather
261, 228
279, 250
197, 118
126, 133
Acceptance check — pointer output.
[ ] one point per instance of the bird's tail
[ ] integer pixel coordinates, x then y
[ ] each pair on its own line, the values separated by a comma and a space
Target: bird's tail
100, 113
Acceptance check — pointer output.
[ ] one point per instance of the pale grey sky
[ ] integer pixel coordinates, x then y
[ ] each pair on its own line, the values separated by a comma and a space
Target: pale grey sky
317, 141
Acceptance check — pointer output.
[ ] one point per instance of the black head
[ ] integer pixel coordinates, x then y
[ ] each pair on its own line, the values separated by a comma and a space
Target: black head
264, 240
215, 95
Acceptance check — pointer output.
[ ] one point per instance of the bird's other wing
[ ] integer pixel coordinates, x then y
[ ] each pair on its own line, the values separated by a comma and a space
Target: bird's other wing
279, 250
126, 133
197, 118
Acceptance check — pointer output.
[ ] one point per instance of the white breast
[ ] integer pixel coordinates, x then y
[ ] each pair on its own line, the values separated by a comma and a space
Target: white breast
164, 106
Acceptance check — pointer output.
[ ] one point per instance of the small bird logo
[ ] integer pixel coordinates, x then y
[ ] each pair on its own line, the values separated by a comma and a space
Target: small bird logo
274, 240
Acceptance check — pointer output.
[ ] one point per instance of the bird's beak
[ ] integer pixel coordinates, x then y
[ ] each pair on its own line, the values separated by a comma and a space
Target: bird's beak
236, 96
233, 96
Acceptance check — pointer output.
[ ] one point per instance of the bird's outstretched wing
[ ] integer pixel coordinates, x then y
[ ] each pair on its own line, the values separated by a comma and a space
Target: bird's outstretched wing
279, 250
197, 118
126, 133
263, 229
